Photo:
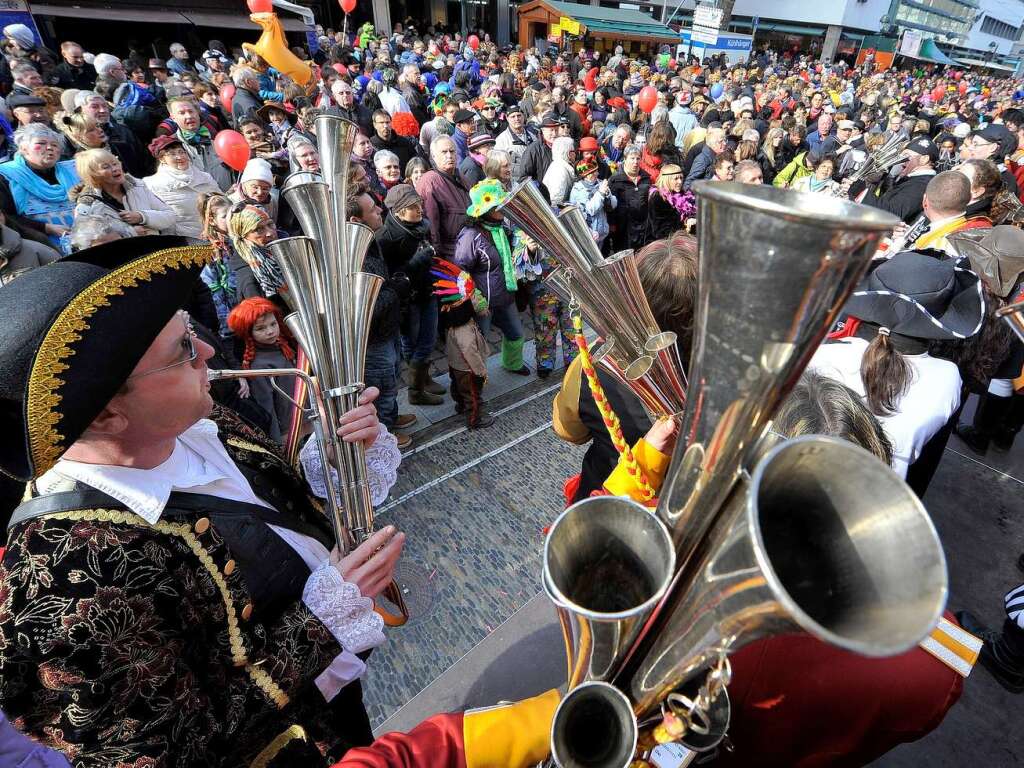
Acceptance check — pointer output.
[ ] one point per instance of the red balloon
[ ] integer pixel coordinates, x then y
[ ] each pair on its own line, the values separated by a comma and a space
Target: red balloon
938, 92
957, 75
474, 42
260, 6
226, 95
963, 88
348, 5
231, 148
648, 99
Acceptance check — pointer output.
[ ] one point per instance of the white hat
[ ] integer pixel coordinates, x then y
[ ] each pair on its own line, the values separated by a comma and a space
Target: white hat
962, 130
257, 169
104, 62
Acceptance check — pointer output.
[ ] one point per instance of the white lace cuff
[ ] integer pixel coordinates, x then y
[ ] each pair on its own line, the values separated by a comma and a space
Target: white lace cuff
382, 460
343, 610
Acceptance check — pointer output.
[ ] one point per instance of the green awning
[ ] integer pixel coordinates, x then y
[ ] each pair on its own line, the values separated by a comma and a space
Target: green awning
930, 51
789, 29
627, 28
627, 21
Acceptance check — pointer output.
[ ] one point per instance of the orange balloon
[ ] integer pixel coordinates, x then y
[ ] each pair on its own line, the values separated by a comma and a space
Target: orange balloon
232, 149
260, 6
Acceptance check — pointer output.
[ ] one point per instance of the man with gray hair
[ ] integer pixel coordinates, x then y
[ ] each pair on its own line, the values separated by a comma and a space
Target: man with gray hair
178, 63
26, 78
247, 93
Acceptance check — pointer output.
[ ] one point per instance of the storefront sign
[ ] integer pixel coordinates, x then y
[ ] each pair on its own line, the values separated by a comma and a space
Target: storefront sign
569, 25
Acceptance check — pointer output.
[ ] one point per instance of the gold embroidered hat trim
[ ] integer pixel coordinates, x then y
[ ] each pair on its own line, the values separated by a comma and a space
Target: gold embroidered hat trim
44, 385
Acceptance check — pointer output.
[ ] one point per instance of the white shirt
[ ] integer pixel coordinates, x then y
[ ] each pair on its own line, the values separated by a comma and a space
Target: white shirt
931, 398
200, 464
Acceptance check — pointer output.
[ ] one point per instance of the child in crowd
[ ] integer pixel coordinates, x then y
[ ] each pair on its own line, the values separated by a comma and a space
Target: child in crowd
465, 346
265, 342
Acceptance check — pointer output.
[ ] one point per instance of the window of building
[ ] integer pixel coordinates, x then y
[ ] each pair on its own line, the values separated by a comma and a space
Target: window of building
997, 28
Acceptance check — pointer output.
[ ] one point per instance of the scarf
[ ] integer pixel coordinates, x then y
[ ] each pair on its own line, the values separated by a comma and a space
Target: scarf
200, 136
500, 240
262, 263
19, 172
683, 202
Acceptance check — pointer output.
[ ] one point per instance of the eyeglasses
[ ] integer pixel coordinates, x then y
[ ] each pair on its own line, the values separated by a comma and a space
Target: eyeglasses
188, 347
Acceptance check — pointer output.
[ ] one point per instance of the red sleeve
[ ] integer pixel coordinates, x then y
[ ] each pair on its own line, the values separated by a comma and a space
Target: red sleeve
434, 743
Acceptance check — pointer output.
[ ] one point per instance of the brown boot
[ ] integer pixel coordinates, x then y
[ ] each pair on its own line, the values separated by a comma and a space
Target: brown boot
418, 394
429, 385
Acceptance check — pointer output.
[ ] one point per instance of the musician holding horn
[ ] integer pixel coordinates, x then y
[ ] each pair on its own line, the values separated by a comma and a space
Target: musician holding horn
169, 593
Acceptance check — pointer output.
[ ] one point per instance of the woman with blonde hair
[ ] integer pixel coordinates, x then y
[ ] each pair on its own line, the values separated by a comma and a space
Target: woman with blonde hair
109, 192
772, 157
668, 205
80, 132
745, 150
214, 210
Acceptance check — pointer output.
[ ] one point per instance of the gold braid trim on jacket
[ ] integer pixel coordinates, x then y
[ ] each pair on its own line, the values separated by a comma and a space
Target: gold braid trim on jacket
282, 740
184, 532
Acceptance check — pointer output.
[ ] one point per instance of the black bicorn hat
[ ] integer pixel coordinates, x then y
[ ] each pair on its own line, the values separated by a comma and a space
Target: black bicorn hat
918, 295
75, 330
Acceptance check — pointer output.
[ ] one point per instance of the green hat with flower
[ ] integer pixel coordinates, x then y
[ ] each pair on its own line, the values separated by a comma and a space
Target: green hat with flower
484, 197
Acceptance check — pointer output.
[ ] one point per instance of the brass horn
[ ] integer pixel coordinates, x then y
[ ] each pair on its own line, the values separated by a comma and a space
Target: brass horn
775, 268
333, 303
608, 293
798, 547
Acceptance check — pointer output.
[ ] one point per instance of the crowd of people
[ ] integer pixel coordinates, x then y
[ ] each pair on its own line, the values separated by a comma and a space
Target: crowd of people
113, 650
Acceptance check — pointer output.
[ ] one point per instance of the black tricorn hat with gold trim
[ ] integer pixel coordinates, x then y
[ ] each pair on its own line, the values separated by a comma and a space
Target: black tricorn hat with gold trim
73, 332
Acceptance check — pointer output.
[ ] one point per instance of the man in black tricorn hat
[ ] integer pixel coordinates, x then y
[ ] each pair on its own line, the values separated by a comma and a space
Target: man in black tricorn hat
169, 593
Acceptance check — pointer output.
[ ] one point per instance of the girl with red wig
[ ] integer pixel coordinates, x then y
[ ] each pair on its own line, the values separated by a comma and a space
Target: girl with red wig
259, 326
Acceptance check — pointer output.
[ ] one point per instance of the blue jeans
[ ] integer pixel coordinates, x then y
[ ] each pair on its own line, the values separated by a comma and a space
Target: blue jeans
421, 331
382, 367
507, 320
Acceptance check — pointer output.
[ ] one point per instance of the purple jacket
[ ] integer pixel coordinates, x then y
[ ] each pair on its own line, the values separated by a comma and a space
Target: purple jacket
19, 751
445, 200
475, 253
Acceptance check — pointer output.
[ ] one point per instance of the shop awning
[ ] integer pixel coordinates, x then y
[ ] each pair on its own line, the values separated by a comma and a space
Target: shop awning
987, 65
609, 22
788, 29
930, 51
157, 16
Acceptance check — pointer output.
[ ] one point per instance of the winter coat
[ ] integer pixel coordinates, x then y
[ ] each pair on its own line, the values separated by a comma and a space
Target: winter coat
83, 78
595, 205
905, 199
770, 170
662, 217
200, 149
533, 162
792, 173
18, 256
386, 321
156, 214
123, 143
406, 248
630, 214
471, 171
560, 175
445, 200
242, 104
181, 192
475, 252
404, 147
358, 114
703, 167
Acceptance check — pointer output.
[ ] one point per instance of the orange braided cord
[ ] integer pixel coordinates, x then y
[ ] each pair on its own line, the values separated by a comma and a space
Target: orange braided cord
611, 420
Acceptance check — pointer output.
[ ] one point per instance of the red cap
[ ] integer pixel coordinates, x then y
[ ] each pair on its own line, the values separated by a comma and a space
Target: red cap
160, 143
588, 144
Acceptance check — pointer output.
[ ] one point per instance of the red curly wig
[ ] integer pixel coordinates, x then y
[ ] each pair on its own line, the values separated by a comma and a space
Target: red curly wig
404, 124
243, 317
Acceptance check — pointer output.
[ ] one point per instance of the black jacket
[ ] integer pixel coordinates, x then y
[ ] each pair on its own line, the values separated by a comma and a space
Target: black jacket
575, 124
471, 171
662, 218
630, 215
83, 77
359, 115
534, 161
123, 143
400, 145
243, 103
406, 249
387, 312
905, 199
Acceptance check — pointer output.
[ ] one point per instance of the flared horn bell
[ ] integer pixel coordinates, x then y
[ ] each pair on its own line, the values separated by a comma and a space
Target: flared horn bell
335, 137
571, 218
299, 264
776, 266
364, 290
850, 557
358, 239
607, 562
526, 207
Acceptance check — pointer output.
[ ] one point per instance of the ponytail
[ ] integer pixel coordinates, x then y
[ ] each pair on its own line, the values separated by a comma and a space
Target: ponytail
884, 374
